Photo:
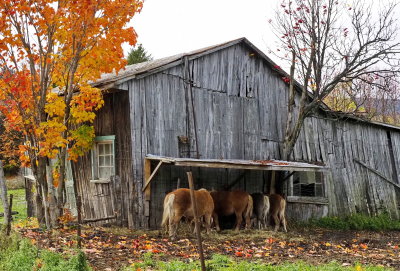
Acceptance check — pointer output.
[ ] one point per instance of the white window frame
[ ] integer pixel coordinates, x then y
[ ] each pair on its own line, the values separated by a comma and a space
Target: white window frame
98, 140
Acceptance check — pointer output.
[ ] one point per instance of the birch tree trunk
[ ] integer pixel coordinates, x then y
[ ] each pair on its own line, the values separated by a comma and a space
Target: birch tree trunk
3, 195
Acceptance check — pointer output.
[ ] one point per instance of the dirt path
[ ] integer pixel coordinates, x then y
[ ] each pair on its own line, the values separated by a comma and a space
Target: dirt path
111, 249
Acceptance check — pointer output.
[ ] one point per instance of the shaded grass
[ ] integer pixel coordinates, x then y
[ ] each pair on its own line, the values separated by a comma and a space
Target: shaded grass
224, 263
356, 222
19, 204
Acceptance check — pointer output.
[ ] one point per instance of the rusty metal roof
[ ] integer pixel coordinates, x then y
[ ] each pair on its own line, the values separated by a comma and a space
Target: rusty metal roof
277, 165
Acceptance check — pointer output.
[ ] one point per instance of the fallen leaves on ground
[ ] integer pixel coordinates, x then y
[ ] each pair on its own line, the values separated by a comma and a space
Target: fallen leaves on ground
107, 249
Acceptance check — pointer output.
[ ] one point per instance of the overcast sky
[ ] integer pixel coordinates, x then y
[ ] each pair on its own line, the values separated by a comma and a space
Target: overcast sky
168, 27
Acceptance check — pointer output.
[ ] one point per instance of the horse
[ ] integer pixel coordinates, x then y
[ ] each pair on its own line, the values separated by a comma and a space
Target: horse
260, 209
227, 203
277, 211
178, 204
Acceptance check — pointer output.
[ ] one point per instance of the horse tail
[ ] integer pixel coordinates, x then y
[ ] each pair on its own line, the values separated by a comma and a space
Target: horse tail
282, 209
249, 208
266, 206
168, 208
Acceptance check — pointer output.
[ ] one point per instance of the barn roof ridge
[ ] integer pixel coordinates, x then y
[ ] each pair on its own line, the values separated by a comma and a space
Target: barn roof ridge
131, 71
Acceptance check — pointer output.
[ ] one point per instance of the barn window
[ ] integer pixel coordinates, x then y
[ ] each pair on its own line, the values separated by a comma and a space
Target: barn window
103, 159
307, 184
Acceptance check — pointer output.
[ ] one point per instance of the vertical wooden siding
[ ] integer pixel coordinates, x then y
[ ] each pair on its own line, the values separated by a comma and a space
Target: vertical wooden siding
240, 112
116, 197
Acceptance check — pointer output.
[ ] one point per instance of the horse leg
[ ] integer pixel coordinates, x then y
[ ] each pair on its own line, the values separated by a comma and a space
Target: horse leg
239, 220
207, 218
173, 226
283, 221
216, 221
276, 221
248, 221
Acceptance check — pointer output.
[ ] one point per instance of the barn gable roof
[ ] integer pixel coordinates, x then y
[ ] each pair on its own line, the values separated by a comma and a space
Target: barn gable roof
112, 80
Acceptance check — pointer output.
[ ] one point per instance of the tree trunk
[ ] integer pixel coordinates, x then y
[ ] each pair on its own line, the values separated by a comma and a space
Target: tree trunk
39, 210
287, 148
61, 182
3, 195
52, 200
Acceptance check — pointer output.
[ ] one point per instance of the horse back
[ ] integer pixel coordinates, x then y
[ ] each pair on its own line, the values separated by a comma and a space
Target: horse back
226, 202
183, 201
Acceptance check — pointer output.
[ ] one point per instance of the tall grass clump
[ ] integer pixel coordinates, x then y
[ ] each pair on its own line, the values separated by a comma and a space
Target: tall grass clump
357, 222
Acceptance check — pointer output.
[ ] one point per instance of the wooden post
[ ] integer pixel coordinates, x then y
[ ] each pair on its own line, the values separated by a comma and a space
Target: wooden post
272, 189
8, 218
78, 233
147, 192
196, 221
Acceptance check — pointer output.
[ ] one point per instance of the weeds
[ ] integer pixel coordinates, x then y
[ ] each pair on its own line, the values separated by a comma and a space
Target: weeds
225, 263
17, 254
357, 222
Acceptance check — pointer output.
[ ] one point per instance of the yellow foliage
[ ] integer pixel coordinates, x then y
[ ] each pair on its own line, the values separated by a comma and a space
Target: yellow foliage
55, 105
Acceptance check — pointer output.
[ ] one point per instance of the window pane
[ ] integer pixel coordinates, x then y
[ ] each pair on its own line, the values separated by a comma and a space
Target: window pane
107, 149
101, 149
104, 172
107, 160
101, 161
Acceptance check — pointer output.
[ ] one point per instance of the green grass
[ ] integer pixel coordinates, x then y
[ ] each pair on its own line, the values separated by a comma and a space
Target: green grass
357, 222
19, 204
18, 254
225, 263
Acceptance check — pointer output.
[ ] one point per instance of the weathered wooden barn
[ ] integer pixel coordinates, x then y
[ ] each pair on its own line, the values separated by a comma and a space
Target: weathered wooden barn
220, 112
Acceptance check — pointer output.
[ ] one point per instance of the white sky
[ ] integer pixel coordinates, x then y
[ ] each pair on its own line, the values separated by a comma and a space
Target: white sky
168, 27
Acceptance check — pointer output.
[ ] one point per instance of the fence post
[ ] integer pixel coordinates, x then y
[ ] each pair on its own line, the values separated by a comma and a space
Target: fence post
9, 217
196, 221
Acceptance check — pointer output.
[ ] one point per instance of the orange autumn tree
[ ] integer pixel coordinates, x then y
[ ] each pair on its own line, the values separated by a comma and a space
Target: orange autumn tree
50, 51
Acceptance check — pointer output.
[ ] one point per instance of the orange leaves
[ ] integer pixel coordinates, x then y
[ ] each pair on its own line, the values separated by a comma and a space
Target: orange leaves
67, 45
50, 133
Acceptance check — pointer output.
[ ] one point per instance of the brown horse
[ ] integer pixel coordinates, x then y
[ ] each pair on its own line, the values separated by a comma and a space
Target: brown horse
260, 209
178, 204
227, 203
277, 211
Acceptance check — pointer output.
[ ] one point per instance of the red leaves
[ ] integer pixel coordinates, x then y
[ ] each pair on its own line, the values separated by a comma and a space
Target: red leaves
286, 79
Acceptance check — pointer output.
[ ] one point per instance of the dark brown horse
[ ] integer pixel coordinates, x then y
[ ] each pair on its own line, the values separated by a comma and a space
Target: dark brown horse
178, 204
227, 203
260, 209
277, 211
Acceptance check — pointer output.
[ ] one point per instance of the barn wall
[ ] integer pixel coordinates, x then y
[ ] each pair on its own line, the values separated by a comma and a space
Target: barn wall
239, 106
352, 187
104, 200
